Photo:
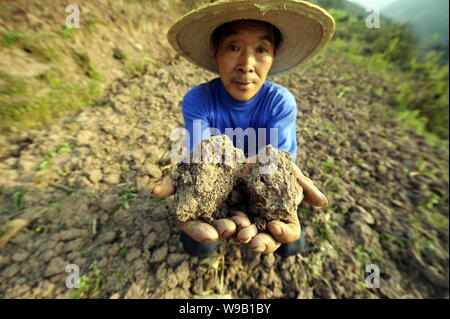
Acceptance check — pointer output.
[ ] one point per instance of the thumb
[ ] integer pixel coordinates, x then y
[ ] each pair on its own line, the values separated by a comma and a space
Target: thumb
165, 188
311, 193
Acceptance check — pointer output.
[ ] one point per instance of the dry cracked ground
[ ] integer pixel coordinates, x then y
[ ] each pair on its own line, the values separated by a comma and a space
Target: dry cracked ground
77, 192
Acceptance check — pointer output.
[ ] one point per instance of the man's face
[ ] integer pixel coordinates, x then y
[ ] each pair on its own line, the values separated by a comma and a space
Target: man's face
244, 57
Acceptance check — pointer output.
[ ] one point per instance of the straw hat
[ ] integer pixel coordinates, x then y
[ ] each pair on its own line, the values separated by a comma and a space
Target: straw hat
305, 28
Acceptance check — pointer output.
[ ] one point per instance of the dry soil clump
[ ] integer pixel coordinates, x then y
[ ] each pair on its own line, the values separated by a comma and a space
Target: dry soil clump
274, 191
208, 189
205, 182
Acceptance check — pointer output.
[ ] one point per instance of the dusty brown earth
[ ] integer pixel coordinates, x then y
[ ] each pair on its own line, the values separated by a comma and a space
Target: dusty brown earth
77, 192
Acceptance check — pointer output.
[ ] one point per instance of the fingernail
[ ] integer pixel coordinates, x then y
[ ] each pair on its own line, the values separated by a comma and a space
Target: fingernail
325, 200
243, 240
260, 249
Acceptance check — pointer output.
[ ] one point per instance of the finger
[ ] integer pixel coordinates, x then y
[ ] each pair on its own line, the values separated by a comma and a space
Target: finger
241, 222
225, 227
200, 231
240, 219
313, 196
164, 188
239, 213
283, 232
264, 243
246, 234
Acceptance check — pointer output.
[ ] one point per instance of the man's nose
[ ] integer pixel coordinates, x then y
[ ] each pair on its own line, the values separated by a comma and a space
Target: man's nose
246, 62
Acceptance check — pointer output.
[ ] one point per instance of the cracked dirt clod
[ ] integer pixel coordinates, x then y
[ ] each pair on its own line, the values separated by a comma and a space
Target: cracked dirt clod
203, 186
273, 188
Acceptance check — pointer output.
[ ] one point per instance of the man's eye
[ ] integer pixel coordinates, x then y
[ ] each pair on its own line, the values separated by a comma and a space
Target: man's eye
233, 47
261, 50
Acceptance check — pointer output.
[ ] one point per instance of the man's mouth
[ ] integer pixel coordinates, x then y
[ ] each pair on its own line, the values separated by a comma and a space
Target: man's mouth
243, 85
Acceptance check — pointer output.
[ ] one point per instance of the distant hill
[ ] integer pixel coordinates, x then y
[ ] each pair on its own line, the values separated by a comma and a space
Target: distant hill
425, 17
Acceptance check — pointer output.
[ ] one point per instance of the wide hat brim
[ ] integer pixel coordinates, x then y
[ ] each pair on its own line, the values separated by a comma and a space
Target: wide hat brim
305, 28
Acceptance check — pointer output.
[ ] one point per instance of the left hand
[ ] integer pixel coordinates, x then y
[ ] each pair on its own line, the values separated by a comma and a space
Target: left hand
280, 232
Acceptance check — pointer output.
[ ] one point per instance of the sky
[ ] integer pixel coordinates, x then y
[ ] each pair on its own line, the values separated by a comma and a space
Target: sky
379, 3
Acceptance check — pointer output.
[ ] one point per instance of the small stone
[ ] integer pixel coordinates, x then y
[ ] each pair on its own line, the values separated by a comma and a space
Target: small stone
174, 259
108, 237
4, 260
133, 254
268, 260
161, 272
182, 272
143, 184
118, 54
57, 266
159, 255
74, 245
151, 240
382, 169
146, 229
11, 271
151, 170
48, 255
71, 234
85, 137
363, 214
139, 47
95, 175
103, 262
138, 157
80, 261
112, 179
115, 296
114, 249
286, 275
20, 256
26, 164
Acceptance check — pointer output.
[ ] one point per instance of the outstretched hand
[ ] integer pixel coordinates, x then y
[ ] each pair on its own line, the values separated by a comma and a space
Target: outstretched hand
197, 229
239, 226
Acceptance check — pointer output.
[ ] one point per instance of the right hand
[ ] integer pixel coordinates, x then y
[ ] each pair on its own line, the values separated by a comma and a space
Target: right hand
200, 231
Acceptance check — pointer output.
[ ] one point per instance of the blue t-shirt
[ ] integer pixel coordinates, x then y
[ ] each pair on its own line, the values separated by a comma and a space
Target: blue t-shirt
271, 115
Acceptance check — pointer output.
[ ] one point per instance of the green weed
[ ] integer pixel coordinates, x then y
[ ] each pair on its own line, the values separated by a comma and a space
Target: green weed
18, 198
86, 252
89, 286
11, 37
60, 149
389, 238
20, 105
126, 196
83, 60
123, 252
67, 33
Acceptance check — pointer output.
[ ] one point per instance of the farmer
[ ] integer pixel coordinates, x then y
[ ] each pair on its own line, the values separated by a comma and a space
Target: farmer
245, 41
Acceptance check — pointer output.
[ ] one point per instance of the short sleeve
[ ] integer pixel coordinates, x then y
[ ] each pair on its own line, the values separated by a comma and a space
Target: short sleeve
196, 116
283, 118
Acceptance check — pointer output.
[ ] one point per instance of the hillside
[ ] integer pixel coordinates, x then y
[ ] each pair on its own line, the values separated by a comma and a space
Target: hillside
426, 19
77, 190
